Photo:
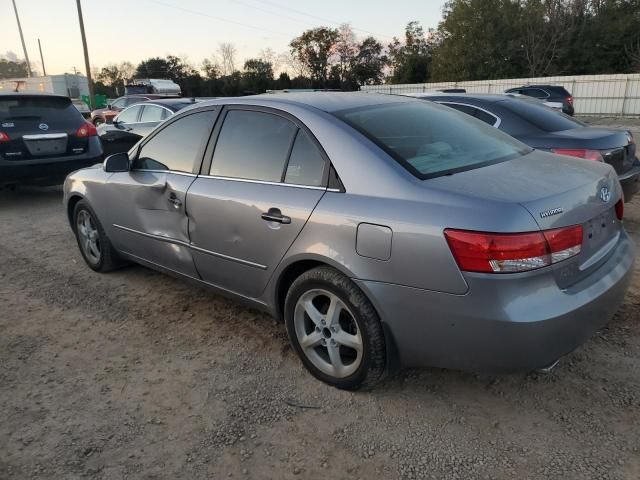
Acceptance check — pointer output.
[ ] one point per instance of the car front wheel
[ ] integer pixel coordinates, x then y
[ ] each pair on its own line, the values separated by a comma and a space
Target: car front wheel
94, 244
335, 330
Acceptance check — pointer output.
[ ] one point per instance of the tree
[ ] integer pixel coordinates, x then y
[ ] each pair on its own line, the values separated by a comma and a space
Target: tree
227, 53
346, 49
211, 69
257, 75
368, 68
313, 49
410, 61
116, 74
13, 69
479, 39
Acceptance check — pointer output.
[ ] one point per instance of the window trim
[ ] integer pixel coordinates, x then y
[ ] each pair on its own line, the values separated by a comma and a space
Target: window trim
214, 109
208, 162
496, 124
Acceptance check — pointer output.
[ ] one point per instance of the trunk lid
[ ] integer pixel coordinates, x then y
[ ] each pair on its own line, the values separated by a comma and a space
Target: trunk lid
558, 192
616, 146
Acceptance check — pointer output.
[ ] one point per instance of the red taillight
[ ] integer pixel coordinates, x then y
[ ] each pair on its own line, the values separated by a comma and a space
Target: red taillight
620, 209
594, 155
570, 100
513, 252
4, 137
87, 130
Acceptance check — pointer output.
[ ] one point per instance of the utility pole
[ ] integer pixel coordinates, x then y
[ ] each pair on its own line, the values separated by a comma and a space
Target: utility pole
87, 65
24, 47
44, 70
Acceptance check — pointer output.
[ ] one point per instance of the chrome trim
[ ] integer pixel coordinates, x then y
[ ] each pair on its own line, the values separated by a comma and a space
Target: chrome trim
498, 119
191, 246
45, 136
163, 171
263, 182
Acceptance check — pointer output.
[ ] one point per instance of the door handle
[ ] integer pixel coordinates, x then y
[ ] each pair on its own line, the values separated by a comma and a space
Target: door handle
275, 215
175, 201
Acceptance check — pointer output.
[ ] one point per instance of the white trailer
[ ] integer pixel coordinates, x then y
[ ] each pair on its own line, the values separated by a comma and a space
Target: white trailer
69, 85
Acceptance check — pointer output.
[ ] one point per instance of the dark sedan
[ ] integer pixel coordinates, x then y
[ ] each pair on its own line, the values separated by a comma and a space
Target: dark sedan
545, 129
136, 121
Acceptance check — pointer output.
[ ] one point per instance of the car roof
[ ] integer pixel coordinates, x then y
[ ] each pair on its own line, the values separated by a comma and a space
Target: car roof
325, 101
174, 104
485, 97
32, 94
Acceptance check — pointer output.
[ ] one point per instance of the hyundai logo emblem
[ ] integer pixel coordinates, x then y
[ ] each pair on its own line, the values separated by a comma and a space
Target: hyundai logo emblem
605, 194
43, 126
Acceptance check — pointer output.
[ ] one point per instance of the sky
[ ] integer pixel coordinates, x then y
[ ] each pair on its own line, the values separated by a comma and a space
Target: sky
132, 30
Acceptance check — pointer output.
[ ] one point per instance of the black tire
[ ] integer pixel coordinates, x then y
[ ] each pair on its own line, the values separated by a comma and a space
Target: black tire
108, 259
373, 362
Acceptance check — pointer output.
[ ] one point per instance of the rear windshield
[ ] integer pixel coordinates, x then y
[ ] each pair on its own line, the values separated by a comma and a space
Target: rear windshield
33, 108
430, 140
541, 116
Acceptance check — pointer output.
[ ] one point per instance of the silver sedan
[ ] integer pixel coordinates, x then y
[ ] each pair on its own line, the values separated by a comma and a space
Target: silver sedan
384, 231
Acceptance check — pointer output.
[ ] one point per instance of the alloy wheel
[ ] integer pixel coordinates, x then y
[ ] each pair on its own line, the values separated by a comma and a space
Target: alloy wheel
88, 236
328, 333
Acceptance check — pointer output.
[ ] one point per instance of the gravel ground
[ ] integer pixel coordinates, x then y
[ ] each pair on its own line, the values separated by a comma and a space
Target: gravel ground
138, 375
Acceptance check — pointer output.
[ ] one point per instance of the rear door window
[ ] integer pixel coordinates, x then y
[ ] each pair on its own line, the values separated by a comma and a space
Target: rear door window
152, 113
178, 146
535, 93
129, 115
253, 145
306, 165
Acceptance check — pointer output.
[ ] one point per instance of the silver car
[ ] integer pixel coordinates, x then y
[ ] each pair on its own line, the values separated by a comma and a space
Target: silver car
385, 231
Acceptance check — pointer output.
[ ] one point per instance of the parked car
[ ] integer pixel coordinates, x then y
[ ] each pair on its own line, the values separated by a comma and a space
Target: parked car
136, 121
82, 107
384, 230
545, 129
43, 137
554, 96
106, 115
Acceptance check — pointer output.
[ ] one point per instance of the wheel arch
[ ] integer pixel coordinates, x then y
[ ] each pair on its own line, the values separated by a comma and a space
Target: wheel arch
71, 205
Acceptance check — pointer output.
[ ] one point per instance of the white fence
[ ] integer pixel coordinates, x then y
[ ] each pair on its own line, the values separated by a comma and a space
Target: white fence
594, 95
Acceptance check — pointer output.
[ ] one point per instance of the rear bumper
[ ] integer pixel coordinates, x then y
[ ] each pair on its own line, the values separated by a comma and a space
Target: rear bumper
49, 168
503, 323
630, 182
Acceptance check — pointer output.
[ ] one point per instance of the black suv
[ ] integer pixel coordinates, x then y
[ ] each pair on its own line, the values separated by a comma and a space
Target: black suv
554, 96
43, 138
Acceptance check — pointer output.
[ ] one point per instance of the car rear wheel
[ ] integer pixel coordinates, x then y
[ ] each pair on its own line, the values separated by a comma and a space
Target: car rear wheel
94, 244
335, 330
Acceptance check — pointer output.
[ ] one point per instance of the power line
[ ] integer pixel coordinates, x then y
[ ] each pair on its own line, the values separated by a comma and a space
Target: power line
214, 17
299, 12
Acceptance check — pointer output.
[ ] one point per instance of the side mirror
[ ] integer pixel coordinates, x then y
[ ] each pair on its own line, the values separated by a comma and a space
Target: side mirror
118, 162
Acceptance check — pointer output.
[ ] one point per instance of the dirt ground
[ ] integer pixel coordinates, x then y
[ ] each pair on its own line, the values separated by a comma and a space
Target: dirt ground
135, 374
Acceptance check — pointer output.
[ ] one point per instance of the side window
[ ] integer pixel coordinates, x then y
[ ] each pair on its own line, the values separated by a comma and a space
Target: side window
485, 117
119, 103
253, 145
166, 114
178, 146
151, 113
306, 164
535, 93
129, 115
132, 100
469, 110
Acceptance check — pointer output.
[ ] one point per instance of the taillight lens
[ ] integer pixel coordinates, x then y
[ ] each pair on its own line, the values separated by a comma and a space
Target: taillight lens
594, 155
87, 130
570, 100
4, 137
513, 252
620, 209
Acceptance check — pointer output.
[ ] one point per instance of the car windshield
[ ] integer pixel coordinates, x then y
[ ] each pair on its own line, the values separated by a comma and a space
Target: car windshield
541, 116
34, 108
431, 140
